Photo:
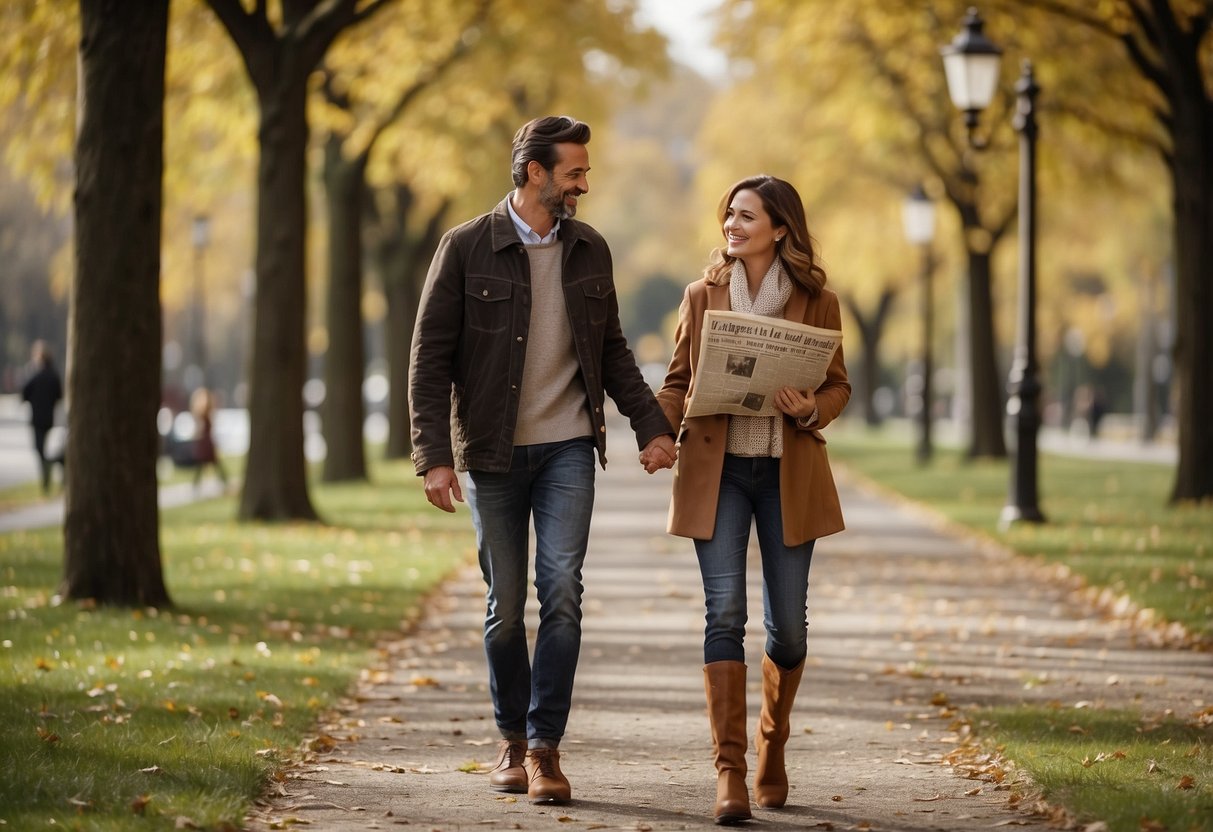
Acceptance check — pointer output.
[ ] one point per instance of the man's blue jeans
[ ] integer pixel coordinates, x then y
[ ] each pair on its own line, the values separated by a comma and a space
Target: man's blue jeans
554, 484
749, 490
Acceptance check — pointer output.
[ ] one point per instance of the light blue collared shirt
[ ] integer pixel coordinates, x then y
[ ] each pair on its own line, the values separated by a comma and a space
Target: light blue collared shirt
525, 233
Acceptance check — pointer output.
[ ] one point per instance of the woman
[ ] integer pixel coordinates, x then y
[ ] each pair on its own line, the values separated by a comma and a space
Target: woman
202, 408
772, 469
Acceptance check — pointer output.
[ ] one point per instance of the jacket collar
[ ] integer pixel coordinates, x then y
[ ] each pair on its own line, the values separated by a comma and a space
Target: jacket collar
505, 235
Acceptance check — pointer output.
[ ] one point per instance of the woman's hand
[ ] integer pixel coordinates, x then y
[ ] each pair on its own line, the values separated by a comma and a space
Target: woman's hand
794, 403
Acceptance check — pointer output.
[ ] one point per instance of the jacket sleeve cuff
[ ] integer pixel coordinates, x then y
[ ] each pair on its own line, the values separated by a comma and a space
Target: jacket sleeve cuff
807, 421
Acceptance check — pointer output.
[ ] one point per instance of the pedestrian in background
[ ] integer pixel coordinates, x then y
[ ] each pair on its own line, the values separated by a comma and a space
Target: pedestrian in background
771, 470
42, 390
518, 339
202, 408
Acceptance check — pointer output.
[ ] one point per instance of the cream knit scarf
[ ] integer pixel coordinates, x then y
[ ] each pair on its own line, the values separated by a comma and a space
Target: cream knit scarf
758, 435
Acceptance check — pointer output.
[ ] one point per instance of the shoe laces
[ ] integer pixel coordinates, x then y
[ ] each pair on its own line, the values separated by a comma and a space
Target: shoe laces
546, 762
513, 754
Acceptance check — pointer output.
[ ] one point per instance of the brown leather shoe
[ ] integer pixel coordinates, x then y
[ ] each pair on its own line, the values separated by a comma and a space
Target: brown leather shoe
508, 775
547, 782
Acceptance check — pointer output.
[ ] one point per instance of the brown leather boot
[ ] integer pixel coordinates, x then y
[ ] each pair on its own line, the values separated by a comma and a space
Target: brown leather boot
778, 693
547, 782
724, 685
508, 775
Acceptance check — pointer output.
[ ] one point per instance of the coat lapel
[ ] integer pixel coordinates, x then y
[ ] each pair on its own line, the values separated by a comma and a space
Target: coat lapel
718, 297
795, 308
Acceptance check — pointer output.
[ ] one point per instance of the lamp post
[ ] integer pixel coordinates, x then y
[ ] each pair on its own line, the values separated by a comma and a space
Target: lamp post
918, 219
971, 63
201, 238
971, 66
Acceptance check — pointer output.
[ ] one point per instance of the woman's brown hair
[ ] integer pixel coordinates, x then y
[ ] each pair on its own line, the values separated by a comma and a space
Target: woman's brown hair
795, 249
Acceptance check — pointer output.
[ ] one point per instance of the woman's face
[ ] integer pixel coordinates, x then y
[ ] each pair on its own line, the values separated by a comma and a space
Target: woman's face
747, 226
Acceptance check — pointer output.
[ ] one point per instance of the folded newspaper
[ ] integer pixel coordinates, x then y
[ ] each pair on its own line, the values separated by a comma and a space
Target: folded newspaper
744, 359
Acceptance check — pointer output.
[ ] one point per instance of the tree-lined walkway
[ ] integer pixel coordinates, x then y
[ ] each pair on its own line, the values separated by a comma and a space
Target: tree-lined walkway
907, 623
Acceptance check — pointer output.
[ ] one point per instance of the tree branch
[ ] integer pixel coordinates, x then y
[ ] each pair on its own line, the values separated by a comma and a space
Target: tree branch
246, 29
458, 49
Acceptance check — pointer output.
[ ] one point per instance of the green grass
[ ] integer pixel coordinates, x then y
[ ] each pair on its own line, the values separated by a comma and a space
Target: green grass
128, 719
1131, 772
1109, 523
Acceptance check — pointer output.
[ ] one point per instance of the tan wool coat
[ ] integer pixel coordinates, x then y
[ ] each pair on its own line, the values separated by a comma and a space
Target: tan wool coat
808, 497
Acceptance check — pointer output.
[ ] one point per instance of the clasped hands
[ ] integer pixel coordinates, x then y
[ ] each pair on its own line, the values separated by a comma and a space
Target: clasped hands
661, 452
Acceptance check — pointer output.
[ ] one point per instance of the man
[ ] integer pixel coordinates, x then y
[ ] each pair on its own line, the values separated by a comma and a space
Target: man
43, 391
518, 331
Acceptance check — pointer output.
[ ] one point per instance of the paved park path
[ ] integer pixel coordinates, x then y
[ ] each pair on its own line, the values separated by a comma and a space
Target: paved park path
908, 622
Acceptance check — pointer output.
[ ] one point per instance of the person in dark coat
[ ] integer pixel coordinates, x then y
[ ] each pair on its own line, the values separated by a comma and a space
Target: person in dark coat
42, 390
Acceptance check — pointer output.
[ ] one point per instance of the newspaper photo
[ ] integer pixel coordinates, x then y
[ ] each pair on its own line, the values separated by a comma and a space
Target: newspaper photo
744, 359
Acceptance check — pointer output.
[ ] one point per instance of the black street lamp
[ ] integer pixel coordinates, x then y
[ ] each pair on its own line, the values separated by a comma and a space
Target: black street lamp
969, 62
201, 239
918, 219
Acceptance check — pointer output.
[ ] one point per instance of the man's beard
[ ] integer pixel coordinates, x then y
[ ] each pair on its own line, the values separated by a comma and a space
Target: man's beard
552, 198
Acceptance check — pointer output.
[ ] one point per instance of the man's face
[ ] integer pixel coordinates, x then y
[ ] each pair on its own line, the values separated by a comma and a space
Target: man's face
566, 181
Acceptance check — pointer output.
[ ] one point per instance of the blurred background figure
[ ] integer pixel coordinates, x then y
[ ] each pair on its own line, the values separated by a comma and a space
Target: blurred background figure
202, 408
43, 390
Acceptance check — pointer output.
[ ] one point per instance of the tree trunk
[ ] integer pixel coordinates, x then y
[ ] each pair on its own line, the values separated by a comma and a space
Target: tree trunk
345, 361
403, 260
275, 483
402, 298
1192, 182
986, 383
111, 529
871, 330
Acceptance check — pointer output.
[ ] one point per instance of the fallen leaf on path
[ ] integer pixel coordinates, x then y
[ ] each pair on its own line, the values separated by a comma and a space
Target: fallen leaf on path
927, 799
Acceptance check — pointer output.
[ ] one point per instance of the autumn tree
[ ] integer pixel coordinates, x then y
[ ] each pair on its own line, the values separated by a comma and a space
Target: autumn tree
1169, 45
111, 526
280, 52
369, 82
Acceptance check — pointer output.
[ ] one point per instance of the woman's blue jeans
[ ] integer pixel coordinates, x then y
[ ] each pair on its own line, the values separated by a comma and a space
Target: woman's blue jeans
552, 483
749, 491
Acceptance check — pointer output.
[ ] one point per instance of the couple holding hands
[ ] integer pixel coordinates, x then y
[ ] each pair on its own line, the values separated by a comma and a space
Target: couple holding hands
517, 343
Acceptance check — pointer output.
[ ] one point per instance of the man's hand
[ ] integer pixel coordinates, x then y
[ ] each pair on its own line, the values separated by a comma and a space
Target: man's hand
440, 485
659, 453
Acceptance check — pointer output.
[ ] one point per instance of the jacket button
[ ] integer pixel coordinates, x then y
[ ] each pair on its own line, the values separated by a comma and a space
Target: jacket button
602, 428
485, 292
519, 339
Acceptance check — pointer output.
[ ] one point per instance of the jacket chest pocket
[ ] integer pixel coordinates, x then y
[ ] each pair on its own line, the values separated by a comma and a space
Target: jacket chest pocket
599, 293
487, 305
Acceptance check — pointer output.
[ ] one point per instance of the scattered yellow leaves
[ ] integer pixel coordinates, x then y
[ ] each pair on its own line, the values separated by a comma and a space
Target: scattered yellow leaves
322, 744
48, 737
1186, 782
419, 681
140, 803
1101, 757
